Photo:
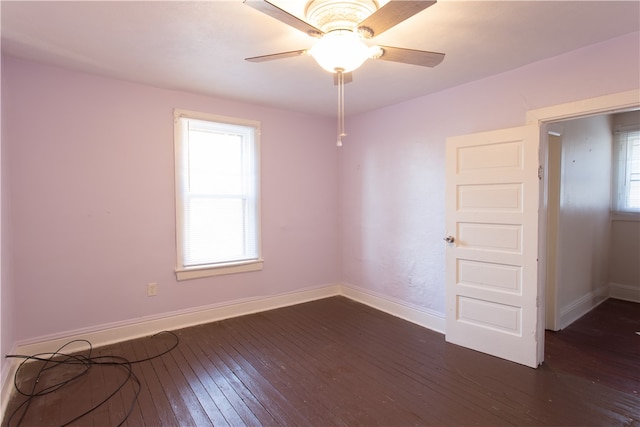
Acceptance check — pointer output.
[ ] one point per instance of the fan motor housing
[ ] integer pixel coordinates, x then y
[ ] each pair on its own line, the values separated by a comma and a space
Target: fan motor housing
330, 15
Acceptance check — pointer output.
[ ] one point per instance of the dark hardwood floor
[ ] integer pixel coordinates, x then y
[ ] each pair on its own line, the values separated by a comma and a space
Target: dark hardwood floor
335, 362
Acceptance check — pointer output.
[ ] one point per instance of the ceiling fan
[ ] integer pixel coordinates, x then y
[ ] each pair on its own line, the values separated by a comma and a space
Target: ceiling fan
342, 27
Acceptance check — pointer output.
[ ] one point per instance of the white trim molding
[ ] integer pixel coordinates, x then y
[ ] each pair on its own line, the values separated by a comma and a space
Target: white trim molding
144, 326
424, 317
581, 306
136, 328
624, 292
116, 332
9, 368
611, 103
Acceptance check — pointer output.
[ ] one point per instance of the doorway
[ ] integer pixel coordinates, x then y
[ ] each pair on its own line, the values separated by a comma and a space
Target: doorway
550, 149
554, 158
497, 212
578, 187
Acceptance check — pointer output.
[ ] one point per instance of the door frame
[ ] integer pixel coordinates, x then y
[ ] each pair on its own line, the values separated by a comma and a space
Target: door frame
551, 187
543, 117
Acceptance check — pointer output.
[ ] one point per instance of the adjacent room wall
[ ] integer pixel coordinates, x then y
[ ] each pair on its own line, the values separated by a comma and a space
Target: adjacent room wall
91, 203
392, 164
625, 253
584, 216
624, 272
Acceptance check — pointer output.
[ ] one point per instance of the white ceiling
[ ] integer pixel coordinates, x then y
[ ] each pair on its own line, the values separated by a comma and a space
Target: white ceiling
200, 46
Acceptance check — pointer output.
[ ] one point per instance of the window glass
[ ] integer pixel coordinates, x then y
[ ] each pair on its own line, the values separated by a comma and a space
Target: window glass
627, 171
216, 194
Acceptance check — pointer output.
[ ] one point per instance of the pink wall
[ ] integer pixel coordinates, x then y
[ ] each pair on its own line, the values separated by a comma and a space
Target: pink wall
91, 195
7, 331
392, 165
91, 206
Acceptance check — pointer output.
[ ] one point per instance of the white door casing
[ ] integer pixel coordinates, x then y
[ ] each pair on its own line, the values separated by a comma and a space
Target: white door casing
492, 204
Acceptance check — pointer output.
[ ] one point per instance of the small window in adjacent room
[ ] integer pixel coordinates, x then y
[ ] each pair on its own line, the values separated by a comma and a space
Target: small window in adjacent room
217, 195
626, 180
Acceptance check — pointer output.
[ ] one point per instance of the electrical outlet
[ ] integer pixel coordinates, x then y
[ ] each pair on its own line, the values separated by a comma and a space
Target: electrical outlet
152, 289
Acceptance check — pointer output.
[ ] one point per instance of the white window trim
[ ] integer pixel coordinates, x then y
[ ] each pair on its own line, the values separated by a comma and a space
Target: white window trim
186, 273
208, 271
625, 216
619, 173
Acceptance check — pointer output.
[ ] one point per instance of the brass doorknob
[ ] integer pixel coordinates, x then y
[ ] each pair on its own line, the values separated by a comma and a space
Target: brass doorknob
449, 239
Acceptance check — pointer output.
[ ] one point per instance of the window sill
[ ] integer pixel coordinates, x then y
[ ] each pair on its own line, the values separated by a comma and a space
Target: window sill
625, 216
199, 272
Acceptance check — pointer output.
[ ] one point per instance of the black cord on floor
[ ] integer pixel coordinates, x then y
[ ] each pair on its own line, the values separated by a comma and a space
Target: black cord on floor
59, 359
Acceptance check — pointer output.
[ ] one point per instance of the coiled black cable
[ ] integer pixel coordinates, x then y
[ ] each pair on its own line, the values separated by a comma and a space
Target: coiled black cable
59, 359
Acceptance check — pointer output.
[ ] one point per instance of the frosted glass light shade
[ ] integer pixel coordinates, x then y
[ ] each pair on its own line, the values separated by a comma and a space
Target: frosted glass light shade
340, 49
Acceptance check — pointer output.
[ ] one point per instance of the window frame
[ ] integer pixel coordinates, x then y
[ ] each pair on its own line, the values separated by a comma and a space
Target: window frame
206, 270
621, 174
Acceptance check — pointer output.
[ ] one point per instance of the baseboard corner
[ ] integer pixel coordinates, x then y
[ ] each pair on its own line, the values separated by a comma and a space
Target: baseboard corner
581, 306
624, 292
429, 319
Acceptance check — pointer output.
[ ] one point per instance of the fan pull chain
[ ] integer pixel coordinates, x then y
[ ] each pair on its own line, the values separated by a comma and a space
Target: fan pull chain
341, 132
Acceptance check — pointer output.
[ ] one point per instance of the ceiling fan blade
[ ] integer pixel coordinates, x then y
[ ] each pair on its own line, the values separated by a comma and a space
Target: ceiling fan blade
391, 14
283, 16
348, 78
273, 56
411, 56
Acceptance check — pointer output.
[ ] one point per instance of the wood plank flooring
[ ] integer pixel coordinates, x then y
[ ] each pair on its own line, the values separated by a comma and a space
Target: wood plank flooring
335, 362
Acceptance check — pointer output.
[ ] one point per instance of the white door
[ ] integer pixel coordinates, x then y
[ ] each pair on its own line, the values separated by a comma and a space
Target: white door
492, 249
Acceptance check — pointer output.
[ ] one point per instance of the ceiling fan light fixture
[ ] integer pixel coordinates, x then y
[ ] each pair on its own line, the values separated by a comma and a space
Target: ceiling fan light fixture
342, 26
340, 50
329, 15
375, 52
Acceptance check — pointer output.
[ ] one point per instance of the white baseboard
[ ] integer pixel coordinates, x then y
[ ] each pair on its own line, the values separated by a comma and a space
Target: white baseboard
135, 328
111, 333
9, 367
582, 306
424, 317
116, 332
624, 292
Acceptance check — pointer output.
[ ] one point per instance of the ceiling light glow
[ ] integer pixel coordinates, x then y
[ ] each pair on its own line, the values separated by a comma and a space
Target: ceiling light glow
341, 50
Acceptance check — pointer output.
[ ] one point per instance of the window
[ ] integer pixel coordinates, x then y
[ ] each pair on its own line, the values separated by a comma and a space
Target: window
217, 195
627, 171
